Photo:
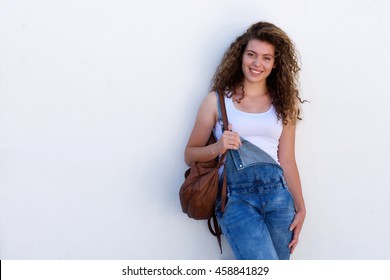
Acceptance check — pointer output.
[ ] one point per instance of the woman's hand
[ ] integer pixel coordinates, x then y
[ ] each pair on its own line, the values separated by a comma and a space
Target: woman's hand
229, 141
296, 227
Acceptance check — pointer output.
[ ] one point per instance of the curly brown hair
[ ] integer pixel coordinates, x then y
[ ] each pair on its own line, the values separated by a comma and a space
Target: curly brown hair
282, 83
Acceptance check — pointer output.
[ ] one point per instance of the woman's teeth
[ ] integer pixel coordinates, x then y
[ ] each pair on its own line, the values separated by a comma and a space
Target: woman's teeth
254, 71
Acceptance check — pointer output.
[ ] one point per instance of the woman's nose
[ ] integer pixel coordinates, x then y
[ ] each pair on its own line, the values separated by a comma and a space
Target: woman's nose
256, 62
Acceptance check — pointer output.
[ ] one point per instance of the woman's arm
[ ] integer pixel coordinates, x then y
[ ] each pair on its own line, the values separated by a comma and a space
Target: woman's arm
196, 149
286, 153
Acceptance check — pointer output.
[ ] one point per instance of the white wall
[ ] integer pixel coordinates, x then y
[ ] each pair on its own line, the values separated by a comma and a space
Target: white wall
98, 99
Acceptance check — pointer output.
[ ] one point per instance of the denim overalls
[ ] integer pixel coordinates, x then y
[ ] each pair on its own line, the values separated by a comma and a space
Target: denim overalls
259, 209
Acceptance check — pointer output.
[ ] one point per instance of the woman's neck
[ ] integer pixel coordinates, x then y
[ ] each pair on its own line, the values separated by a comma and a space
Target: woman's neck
253, 90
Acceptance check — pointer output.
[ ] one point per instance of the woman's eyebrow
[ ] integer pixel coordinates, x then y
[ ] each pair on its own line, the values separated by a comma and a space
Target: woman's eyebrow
264, 54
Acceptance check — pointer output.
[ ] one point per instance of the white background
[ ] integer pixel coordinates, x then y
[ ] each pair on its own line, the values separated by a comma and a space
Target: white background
98, 98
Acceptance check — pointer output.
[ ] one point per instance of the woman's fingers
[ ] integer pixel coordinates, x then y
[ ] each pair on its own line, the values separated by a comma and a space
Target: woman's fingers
296, 227
294, 224
231, 140
294, 242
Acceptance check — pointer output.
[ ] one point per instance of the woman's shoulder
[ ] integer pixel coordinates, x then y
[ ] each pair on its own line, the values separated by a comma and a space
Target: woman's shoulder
209, 105
210, 100
212, 95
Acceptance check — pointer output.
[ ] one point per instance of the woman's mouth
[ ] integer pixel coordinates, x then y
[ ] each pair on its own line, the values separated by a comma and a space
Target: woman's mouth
255, 71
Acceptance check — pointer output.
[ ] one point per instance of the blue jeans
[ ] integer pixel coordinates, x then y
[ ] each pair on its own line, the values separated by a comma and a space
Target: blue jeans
259, 209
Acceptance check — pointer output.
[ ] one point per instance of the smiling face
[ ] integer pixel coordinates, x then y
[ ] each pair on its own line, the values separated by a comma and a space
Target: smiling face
258, 61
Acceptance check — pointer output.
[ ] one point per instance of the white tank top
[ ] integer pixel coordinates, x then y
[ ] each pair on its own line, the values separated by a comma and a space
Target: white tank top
261, 129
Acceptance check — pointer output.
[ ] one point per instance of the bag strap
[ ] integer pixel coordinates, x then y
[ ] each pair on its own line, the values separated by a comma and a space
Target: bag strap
222, 106
223, 111
216, 231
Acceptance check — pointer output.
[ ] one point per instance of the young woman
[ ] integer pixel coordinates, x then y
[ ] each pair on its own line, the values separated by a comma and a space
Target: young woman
265, 209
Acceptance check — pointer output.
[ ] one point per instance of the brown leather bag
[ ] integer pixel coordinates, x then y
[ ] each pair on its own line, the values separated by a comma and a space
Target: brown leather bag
199, 191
